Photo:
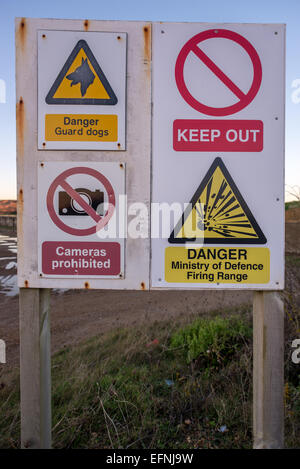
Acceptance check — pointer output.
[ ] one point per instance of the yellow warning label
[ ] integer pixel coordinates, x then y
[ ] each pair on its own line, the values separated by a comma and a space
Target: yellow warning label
81, 80
217, 213
81, 127
236, 265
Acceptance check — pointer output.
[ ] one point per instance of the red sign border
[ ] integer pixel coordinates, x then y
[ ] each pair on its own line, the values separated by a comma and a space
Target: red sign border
216, 33
102, 220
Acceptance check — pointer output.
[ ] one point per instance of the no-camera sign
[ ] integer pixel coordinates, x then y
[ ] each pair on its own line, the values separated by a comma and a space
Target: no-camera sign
80, 219
79, 202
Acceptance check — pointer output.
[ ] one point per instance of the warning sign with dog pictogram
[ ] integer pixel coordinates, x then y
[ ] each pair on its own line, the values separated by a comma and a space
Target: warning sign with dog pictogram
81, 90
81, 80
217, 213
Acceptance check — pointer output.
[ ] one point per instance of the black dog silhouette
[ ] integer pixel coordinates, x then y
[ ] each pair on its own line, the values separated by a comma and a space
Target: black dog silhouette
83, 75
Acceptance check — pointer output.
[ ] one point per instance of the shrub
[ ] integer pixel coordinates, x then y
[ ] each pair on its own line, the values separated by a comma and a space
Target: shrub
212, 342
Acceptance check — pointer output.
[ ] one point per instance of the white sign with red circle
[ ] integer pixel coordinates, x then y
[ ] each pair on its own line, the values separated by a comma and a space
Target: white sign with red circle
219, 92
79, 204
212, 84
80, 219
194, 45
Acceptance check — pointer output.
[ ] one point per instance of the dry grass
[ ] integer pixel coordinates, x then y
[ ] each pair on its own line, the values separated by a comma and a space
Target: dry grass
130, 389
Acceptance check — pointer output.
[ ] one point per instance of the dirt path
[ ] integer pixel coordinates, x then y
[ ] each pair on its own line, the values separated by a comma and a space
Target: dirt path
77, 315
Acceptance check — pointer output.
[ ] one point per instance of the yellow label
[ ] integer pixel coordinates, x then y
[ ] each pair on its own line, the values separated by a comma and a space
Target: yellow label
81, 127
236, 265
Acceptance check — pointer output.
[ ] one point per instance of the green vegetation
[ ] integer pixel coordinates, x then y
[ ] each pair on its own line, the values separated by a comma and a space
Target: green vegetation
292, 204
154, 386
213, 342
292, 260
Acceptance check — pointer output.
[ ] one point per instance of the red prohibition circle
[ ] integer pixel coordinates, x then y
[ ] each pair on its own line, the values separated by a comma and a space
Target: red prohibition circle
100, 221
191, 46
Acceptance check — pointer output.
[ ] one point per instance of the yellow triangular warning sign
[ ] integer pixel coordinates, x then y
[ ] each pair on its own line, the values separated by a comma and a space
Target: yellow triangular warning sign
81, 80
217, 213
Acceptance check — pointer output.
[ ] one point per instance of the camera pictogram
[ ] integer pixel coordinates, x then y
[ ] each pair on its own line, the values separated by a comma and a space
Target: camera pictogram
69, 206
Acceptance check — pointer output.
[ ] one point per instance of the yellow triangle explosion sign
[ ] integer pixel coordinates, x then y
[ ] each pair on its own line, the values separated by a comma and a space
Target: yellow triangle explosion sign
217, 213
81, 80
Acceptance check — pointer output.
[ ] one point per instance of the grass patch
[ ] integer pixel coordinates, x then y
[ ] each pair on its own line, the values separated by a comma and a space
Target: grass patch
292, 260
292, 204
153, 387
212, 342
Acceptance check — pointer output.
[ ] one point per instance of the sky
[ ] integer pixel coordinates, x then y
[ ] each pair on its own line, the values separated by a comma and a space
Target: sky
235, 11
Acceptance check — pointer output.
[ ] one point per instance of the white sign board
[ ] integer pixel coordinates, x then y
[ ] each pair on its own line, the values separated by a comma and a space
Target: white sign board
81, 90
218, 152
74, 203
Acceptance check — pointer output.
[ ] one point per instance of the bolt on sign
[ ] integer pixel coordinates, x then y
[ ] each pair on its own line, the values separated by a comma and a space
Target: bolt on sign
73, 205
218, 152
81, 90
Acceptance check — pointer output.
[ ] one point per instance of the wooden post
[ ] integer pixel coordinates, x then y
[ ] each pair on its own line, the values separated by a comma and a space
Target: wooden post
35, 368
268, 370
